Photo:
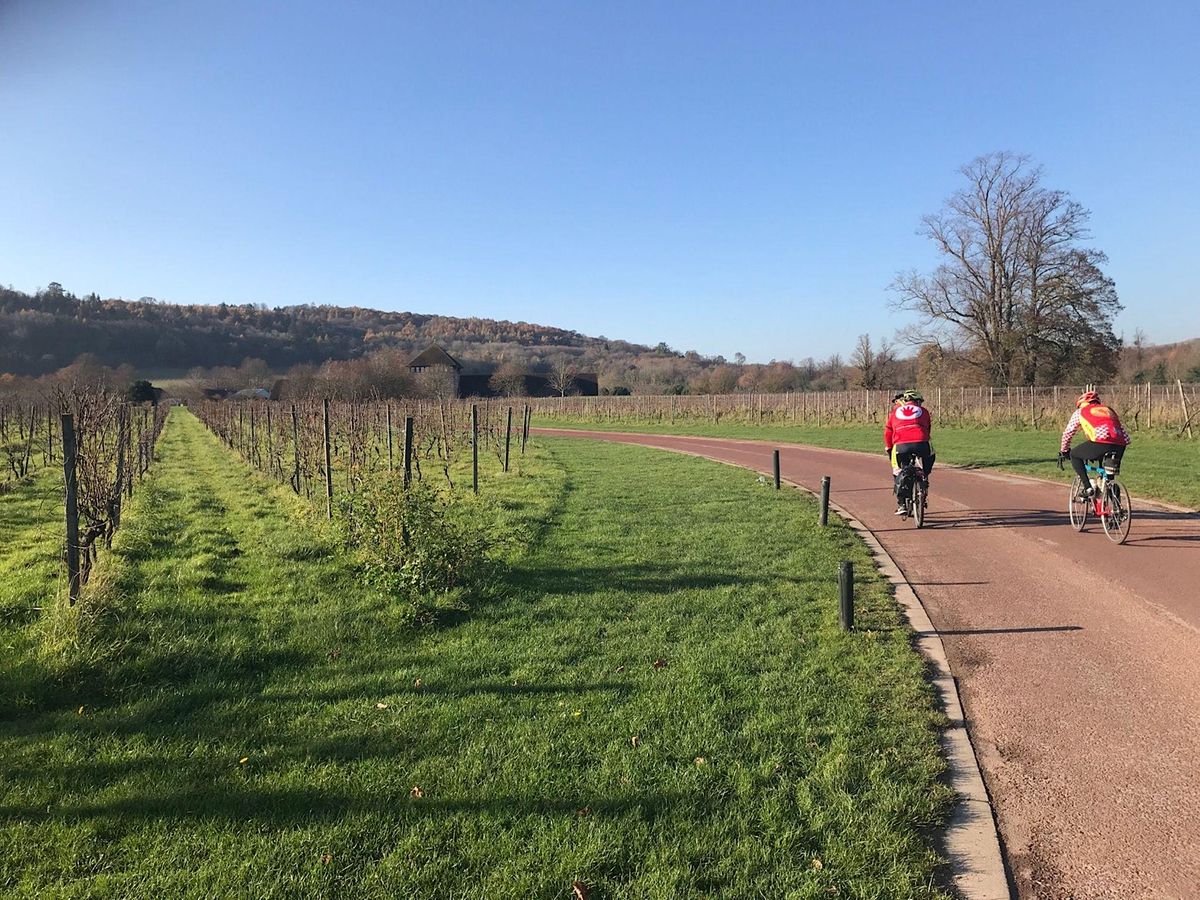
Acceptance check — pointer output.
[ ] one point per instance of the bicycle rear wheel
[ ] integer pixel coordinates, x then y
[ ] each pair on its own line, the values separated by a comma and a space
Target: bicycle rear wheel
1119, 515
918, 502
1078, 509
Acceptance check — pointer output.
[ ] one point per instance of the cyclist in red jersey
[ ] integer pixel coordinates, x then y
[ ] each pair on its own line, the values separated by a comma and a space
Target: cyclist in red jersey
1105, 437
906, 436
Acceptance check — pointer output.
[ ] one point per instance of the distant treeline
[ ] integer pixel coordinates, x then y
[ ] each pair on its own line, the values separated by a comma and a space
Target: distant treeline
355, 352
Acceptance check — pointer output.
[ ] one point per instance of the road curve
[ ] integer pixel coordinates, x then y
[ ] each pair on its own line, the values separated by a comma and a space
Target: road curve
1078, 661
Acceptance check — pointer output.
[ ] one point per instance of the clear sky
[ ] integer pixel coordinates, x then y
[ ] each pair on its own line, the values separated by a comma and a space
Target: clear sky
721, 176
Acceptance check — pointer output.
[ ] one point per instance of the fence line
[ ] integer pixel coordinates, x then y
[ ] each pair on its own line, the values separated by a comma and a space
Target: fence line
1141, 406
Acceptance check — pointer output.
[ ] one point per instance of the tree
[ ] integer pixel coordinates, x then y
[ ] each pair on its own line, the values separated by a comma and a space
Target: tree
141, 392
509, 379
1015, 286
874, 366
562, 377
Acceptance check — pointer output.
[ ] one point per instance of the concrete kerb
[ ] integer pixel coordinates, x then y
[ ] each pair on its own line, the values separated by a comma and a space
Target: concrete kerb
970, 839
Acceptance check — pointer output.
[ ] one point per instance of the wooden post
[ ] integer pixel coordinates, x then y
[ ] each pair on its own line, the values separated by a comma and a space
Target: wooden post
1149, 405
119, 482
475, 447
1187, 417
777, 478
408, 449
328, 461
296, 449
824, 515
72, 485
524, 428
389, 435
507, 438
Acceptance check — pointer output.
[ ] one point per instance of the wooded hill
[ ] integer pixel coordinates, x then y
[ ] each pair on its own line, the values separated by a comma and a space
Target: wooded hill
45, 331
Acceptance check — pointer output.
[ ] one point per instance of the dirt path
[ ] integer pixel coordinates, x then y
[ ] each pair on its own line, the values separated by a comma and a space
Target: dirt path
1078, 661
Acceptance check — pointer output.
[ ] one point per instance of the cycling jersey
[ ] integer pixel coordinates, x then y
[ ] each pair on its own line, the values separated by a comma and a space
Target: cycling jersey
1099, 422
907, 424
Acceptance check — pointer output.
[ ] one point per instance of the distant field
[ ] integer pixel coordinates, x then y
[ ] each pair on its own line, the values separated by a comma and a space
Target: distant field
1159, 466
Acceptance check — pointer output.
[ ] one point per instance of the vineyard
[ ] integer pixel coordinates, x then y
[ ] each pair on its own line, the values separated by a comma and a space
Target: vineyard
96, 445
1142, 406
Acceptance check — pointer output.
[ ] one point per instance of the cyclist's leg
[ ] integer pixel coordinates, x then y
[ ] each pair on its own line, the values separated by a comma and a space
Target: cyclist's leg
927, 458
1081, 454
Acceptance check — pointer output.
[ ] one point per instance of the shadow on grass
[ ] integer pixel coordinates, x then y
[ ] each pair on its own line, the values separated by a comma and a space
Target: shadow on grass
635, 578
287, 807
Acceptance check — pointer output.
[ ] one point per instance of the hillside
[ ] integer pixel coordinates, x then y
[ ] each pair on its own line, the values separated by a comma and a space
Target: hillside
43, 332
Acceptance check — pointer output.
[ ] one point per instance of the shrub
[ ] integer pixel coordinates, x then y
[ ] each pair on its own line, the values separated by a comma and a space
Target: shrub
430, 550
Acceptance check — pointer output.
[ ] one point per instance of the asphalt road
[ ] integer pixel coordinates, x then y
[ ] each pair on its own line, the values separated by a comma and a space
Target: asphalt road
1078, 661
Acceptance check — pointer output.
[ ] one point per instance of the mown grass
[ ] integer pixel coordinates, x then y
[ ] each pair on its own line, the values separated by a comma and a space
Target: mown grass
660, 705
31, 538
1159, 465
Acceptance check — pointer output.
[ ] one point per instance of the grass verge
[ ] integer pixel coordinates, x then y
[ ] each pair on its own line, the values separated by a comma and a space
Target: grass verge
660, 705
1161, 466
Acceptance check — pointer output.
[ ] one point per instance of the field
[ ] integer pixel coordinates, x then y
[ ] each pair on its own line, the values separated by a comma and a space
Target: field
650, 698
1159, 464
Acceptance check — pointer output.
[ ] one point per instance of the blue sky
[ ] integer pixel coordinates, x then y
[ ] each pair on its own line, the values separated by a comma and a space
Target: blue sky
724, 177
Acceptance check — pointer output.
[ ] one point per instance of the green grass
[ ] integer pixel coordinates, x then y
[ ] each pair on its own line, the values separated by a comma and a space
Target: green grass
1157, 465
264, 719
31, 538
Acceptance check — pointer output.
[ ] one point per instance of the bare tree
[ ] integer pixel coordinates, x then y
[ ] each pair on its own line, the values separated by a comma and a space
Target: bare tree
1015, 285
562, 377
509, 379
874, 366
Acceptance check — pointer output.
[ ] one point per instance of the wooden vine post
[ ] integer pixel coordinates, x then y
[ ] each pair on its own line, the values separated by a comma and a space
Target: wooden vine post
72, 485
328, 460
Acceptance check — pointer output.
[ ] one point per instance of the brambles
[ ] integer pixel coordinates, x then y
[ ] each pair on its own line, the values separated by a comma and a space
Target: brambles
419, 545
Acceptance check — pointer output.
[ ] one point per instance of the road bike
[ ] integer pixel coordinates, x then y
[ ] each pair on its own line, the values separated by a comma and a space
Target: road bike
1109, 500
913, 492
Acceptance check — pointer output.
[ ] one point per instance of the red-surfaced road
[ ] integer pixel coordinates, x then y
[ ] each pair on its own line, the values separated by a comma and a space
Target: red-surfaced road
1078, 661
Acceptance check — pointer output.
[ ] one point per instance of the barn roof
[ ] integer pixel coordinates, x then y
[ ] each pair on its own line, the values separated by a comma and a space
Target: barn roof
434, 356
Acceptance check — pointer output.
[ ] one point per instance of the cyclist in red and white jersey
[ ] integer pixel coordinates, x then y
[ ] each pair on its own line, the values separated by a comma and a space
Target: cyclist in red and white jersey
906, 436
1105, 436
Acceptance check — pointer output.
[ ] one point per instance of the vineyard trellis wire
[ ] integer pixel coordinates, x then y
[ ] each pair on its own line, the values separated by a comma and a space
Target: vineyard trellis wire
1142, 406
325, 447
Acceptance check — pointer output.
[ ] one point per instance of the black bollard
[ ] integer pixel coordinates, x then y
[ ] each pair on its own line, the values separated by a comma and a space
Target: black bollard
846, 595
824, 500
777, 482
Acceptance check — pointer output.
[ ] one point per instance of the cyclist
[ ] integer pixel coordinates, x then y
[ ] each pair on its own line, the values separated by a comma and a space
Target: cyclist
906, 436
1105, 437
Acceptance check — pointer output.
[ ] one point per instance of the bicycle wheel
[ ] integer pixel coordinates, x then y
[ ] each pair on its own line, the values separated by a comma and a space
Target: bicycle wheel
918, 502
1119, 515
1077, 508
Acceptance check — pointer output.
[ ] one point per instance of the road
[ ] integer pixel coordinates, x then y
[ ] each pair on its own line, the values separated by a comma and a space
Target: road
1078, 661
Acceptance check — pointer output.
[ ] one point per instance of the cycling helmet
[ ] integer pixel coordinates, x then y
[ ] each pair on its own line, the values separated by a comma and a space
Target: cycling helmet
1085, 398
911, 396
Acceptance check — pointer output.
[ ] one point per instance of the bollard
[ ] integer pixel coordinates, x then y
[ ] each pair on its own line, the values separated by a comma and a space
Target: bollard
846, 595
824, 500
777, 470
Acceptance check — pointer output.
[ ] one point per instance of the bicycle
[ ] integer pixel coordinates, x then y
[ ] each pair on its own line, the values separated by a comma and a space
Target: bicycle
913, 492
1109, 500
